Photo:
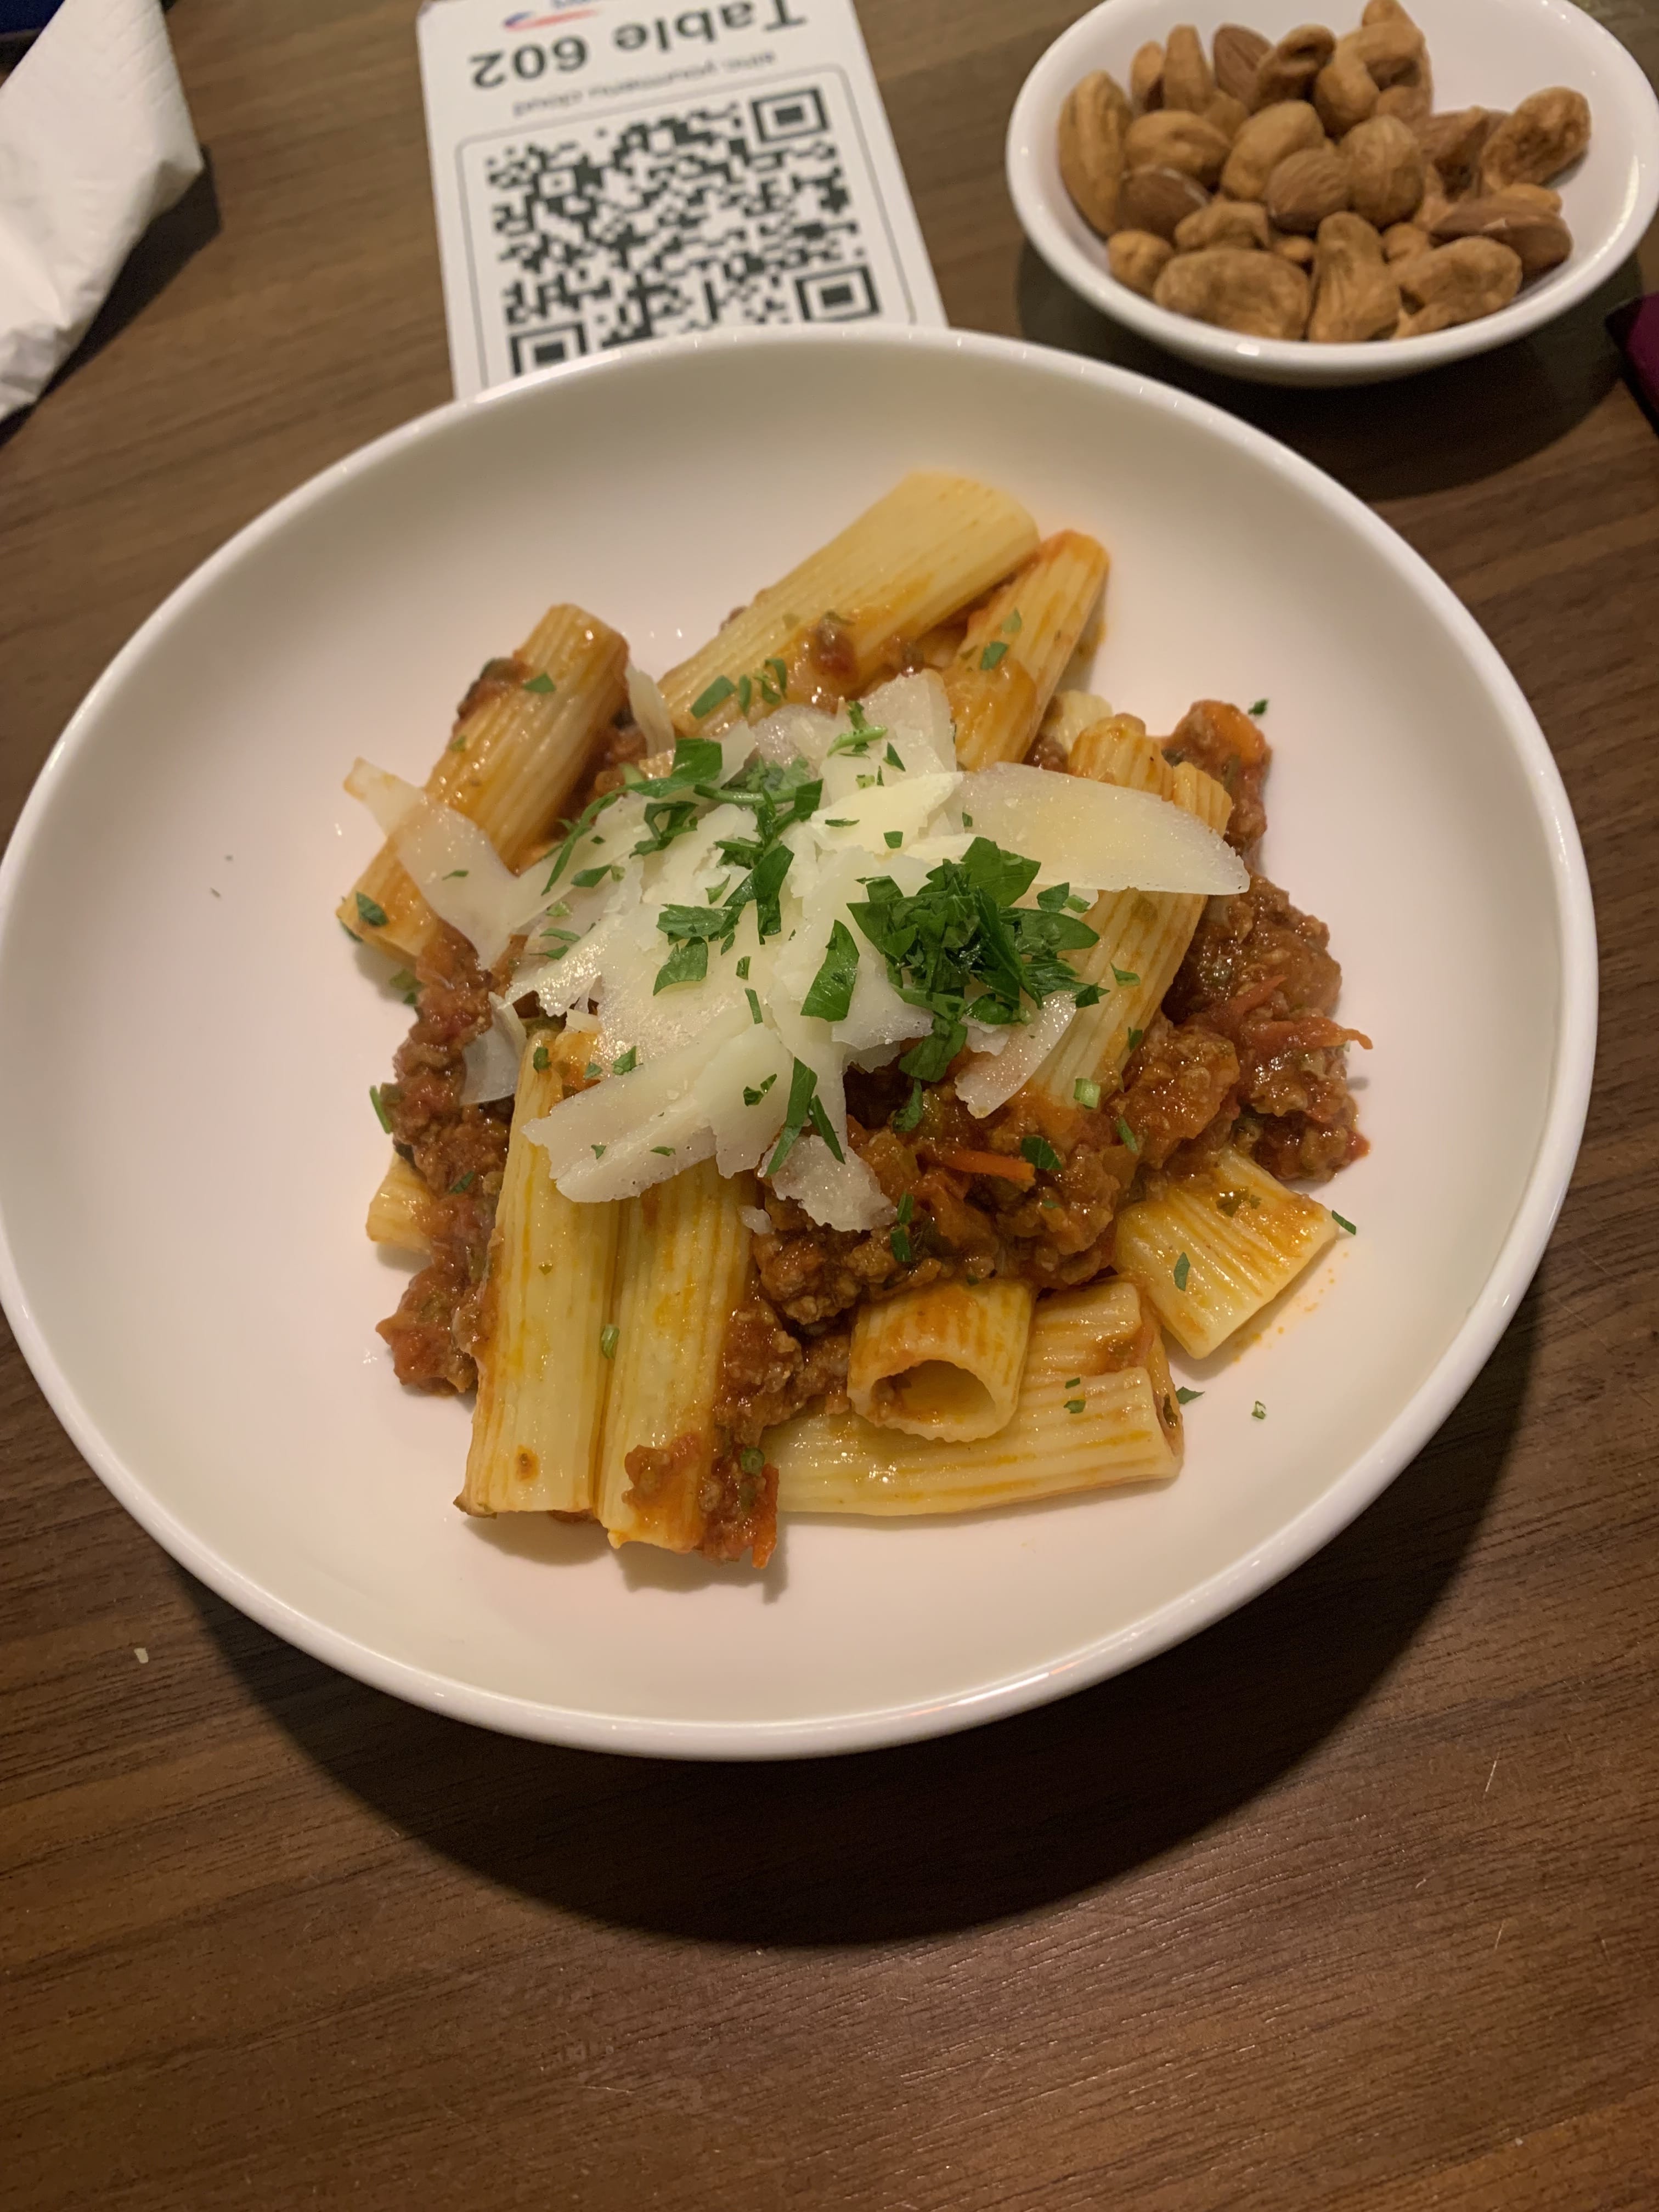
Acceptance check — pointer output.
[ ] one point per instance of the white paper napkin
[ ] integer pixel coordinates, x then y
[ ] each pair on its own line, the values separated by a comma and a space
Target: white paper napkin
95, 142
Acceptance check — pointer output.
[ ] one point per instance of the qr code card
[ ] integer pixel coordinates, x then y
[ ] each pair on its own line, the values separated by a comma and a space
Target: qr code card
603, 174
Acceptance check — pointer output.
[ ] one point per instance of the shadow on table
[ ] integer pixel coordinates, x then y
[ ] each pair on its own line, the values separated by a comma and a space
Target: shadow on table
1428, 433
936, 1835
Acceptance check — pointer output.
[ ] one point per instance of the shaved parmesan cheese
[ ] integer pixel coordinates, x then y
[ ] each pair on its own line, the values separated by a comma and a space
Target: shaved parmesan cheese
742, 1096
758, 1224
600, 1142
1098, 835
992, 1076
492, 1059
900, 807
650, 710
799, 733
914, 711
452, 862
841, 1194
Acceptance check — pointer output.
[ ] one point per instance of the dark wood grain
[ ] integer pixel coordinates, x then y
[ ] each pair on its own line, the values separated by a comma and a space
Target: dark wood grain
1349, 1903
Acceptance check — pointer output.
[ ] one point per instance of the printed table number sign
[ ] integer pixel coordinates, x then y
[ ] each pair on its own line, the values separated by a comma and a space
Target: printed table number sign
602, 173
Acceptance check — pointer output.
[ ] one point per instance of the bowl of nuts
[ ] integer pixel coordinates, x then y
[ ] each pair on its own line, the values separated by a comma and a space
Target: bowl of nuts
1303, 203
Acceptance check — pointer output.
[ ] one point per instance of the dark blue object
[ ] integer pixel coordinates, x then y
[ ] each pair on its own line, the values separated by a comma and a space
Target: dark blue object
19, 17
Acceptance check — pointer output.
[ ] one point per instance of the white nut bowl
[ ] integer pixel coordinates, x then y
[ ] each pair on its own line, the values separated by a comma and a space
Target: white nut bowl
1486, 52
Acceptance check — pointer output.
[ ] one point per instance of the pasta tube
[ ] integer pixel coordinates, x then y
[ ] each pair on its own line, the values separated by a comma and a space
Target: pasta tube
398, 1212
1211, 1248
1017, 648
1142, 936
521, 744
846, 615
944, 1361
1095, 1409
682, 1270
542, 1370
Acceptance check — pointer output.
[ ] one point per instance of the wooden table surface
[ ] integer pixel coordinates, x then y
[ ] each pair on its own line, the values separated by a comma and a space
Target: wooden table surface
1349, 1902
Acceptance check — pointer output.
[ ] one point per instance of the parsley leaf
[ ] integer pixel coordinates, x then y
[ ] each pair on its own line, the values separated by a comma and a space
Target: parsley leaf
379, 1103
718, 693
832, 993
1041, 1153
1259, 708
1184, 1268
371, 911
687, 964
1185, 1397
626, 1062
805, 1108
993, 654
541, 682
753, 1095
910, 1113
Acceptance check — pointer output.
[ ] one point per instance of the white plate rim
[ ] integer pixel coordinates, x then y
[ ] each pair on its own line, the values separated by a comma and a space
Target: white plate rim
1296, 362
1352, 1490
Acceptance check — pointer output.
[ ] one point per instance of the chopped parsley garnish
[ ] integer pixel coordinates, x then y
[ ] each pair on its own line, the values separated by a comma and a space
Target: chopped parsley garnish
584, 878
906, 1206
627, 1062
1259, 708
593, 1071
608, 1337
840, 822
1090, 995
1086, 1093
858, 740
465, 1182
899, 1242
1041, 1153
754, 1006
832, 993
752, 1096
455, 874
746, 693
910, 1113
743, 968
967, 821
892, 759
1184, 1268
539, 1060
1072, 1382
752, 1460
687, 964
1228, 1203
892, 839
1185, 1397
961, 948
1074, 1405
378, 1105
1128, 1134
1015, 624
598, 1151
371, 911
663, 1151
1123, 976
541, 682
805, 1111
1258, 1412
993, 653
1133, 1039
1342, 1221
718, 693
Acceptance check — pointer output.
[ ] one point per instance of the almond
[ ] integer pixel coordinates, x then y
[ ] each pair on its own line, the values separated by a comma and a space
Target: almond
1306, 187
1258, 294
1541, 238
1237, 55
1287, 127
1138, 258
1160, 199
1188, 81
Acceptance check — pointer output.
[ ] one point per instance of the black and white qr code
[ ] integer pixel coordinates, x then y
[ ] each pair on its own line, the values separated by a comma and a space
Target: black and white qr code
740, 210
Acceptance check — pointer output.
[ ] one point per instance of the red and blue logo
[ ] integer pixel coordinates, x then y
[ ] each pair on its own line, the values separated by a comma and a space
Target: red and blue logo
526, 19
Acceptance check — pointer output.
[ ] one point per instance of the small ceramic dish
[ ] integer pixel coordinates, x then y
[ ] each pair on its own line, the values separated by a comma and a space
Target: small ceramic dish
1490, 54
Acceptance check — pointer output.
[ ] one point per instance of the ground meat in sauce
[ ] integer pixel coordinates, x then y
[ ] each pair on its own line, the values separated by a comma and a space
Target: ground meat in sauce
460, 1152
1259, 976
1226, 744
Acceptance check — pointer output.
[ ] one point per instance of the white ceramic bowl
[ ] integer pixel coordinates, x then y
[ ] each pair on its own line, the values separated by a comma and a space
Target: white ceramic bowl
1490, 54
187, 1147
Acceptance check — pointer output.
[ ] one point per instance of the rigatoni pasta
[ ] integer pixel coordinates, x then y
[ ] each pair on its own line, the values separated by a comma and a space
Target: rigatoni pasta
832, 1113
